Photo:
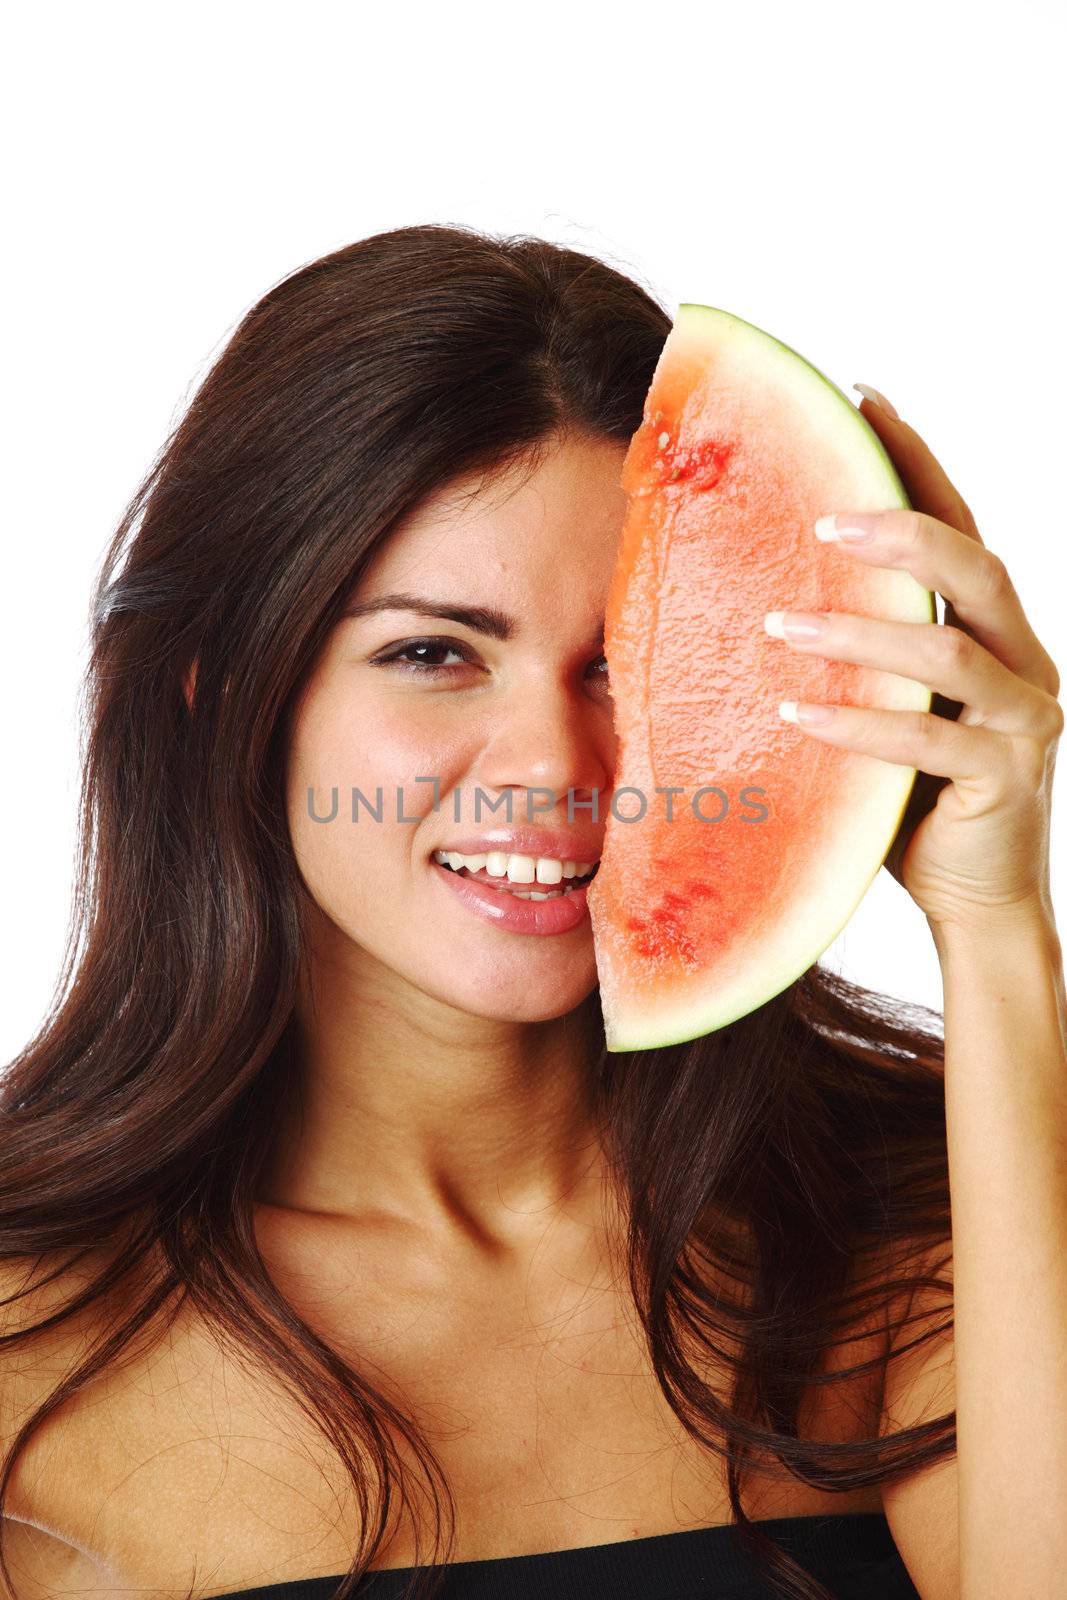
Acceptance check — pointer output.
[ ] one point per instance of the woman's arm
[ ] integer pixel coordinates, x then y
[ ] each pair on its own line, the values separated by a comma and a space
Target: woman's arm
1006, 1109
989, 1521
973, 852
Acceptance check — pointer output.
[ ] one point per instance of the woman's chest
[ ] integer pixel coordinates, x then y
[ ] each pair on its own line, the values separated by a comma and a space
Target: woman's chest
189, 1467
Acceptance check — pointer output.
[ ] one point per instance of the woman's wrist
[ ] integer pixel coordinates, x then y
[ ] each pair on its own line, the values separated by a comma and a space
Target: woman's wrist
1027, 928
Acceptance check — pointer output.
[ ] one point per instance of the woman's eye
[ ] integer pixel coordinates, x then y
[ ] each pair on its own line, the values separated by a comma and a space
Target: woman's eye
424, 649
434, 647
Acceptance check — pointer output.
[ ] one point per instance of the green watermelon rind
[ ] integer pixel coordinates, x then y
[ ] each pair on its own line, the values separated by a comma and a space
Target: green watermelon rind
700, 1016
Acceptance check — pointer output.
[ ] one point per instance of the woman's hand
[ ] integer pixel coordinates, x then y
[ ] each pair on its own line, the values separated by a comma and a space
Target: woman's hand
973, 844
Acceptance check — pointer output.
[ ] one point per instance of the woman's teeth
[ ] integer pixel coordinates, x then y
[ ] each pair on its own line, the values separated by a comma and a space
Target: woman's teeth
503, 872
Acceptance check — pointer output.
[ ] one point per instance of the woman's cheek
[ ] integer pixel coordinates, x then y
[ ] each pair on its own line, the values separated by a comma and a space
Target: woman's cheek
371, 815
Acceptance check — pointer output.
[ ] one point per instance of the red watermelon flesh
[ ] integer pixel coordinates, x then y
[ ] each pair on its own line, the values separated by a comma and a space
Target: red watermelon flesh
742, 446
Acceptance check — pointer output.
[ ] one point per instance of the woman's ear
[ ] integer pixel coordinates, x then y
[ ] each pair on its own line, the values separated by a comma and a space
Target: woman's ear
190, 685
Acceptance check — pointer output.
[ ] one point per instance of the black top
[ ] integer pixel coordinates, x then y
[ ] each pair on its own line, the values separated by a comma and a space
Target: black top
852, 1553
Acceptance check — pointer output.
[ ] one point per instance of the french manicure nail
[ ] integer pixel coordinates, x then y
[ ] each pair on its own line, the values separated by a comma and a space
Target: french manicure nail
804, 712
830, 528
877, 399
794, 624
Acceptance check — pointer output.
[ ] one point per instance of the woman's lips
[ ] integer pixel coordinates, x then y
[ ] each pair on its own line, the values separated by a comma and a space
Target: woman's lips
502, 907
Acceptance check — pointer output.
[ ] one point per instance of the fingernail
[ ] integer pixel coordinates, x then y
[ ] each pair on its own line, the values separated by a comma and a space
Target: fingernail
876, 399
828, 528
805, 713
794, 624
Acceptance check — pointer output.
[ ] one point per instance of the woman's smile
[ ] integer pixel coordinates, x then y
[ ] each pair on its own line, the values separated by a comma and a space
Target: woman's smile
489, 882
509, 873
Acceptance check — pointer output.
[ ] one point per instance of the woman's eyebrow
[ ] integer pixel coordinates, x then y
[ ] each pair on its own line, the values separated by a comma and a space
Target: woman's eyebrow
482, 619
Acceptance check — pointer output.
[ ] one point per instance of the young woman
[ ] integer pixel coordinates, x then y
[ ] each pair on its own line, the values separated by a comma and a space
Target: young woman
326, 1221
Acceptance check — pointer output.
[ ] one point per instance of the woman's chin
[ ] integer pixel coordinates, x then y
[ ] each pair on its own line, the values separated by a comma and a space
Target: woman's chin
519, 997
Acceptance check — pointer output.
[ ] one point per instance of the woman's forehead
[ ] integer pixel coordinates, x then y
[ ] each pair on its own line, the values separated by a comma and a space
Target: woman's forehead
566, 510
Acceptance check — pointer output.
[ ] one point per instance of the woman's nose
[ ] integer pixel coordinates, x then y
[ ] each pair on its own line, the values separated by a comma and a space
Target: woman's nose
549, 739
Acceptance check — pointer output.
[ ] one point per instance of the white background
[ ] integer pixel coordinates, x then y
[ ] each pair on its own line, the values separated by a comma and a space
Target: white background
880, 186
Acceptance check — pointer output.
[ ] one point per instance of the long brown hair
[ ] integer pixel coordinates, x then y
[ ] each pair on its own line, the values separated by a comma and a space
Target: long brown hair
145, 1107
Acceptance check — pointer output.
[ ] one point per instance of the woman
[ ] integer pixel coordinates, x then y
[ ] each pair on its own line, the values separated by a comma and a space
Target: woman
327, 1221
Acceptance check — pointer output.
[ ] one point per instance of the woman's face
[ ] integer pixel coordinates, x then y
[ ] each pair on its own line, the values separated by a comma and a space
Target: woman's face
497, 717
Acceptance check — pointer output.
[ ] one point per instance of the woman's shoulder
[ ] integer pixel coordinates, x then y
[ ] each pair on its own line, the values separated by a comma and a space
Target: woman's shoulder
180, 1411
33, 1289
39, 1347
42, 1341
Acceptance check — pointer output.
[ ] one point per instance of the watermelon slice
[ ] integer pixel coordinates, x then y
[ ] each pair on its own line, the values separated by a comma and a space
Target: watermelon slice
743, 444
